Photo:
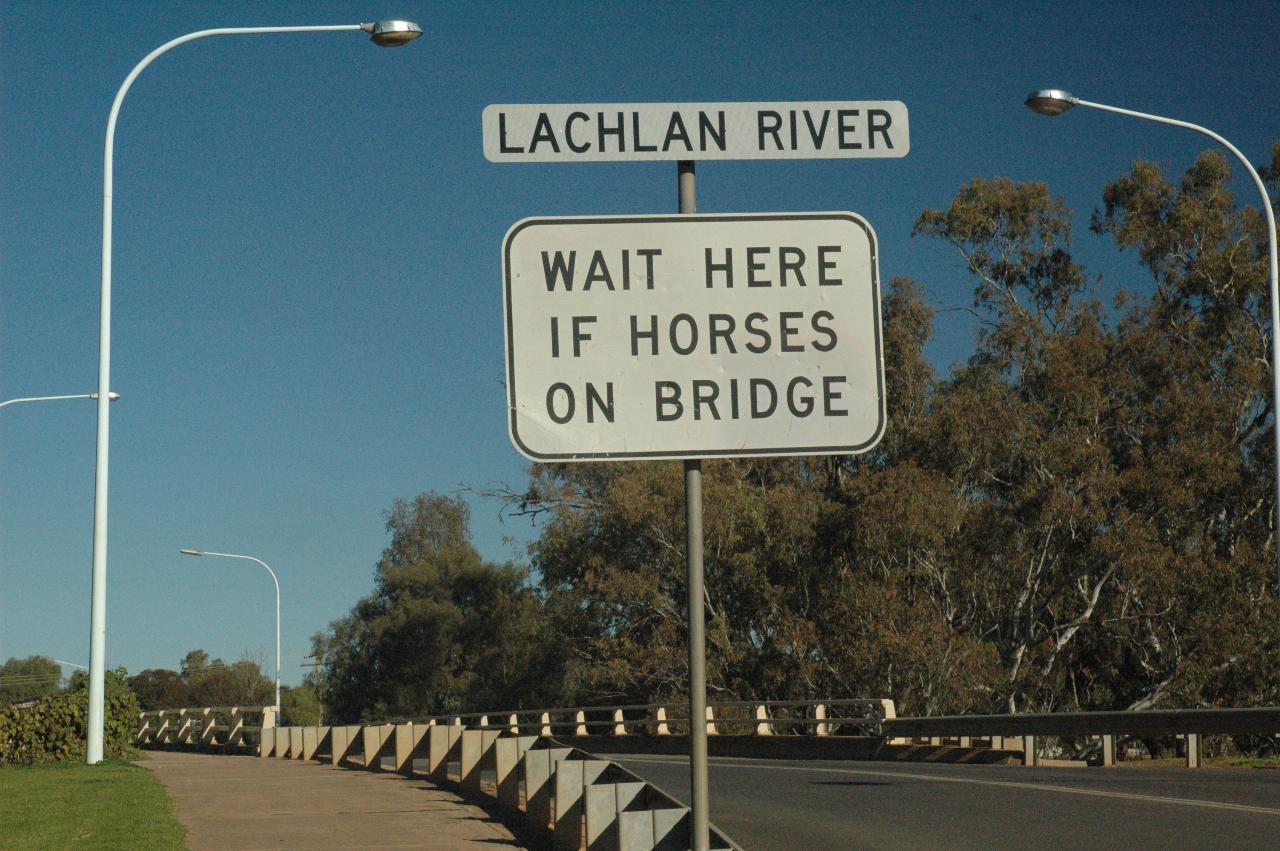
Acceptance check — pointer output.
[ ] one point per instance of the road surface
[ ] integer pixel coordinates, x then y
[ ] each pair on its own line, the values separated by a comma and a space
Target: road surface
817, 804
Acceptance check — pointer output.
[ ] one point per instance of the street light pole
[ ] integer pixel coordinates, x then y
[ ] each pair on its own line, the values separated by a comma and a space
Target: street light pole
390, 33
1057, 101
187, 552
111, 397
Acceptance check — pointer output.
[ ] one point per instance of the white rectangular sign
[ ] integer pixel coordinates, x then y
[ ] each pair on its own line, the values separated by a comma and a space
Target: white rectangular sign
596, 132
692, 336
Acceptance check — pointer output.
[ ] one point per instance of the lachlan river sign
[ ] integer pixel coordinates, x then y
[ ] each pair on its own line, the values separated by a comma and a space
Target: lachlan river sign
595, 132
688, 336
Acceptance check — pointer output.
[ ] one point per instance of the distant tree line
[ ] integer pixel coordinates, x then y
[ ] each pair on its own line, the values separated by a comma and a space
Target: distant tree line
1078, 516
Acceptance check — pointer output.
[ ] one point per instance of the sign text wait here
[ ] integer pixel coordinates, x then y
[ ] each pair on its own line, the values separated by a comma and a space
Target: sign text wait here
694, 131
693, 336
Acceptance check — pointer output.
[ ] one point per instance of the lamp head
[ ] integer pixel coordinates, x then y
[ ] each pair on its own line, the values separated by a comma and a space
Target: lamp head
1050, 101
392, 33
191, 552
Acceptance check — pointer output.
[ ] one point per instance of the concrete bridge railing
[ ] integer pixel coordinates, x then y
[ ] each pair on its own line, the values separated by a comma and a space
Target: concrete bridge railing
230, 728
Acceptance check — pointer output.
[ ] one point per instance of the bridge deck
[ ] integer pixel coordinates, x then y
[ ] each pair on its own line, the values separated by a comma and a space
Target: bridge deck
247, 803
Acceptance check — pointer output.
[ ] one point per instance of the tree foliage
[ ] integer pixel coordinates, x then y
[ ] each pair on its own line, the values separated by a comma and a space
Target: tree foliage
1078, 515
28, 679
443, 630
202, 681
53, 729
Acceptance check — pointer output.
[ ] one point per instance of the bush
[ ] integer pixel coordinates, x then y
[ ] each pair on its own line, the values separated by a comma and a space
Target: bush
53, 729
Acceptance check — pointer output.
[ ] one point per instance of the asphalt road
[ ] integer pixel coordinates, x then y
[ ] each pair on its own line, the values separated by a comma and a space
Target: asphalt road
814, 804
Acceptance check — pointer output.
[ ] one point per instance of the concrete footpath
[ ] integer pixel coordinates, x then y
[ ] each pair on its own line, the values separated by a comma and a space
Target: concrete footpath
245, 802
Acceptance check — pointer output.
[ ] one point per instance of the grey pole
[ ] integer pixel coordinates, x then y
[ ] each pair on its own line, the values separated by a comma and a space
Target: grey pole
698, 783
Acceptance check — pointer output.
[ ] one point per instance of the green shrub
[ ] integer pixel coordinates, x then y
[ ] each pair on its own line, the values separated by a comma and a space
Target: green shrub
53, 729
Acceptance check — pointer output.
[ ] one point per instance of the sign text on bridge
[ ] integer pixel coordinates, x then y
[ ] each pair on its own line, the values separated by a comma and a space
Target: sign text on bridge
636, 337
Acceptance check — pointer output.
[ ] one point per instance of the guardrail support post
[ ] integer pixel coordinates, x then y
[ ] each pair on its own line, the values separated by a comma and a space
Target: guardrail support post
580, 723
619, 727
1108, 750
545, 722
711, 722
514, 723
820, 713
1195, 750
1028, 750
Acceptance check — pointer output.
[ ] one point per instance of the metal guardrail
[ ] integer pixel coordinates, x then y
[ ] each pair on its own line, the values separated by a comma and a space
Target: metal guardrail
1190, 724
758, 717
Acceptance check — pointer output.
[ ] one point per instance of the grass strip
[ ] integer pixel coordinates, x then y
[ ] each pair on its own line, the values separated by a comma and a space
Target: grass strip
66, 805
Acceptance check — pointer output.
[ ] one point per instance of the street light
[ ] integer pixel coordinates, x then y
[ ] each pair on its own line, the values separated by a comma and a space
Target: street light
389, 33
187, 552
111, 397
1057, 101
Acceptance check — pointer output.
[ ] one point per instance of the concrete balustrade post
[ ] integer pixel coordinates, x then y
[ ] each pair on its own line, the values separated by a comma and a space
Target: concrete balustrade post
602, 804
184, 727
208, 729
374, 738
619, 724
297, 742
477, 750
763, 727
266, 742
580, 723
508, 751
441, 744
283, 736
1108, 751
1029, 757
711, 722
409, 742
235, 735
513, 724
822, 728
539, 766
310, 741
661, 717
572, 777
545, 722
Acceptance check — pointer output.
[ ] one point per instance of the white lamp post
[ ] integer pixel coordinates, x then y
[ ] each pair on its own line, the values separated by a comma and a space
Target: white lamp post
384, 34
1058, 101
111, 397
186, 552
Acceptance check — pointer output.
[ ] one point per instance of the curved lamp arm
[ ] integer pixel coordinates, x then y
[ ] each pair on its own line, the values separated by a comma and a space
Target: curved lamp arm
188, 552
387, 33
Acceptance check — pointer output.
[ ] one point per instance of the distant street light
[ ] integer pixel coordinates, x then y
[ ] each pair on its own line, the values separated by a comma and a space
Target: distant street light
273, 579
111, 397
1058, 101
389, 33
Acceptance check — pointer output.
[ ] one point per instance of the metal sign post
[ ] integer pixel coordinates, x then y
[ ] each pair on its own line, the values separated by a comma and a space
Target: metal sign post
699, 797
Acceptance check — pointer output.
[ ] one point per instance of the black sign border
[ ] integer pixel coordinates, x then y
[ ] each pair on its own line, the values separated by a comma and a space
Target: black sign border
671, 218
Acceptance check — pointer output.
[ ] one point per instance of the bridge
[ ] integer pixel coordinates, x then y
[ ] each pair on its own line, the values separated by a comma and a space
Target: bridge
789, 774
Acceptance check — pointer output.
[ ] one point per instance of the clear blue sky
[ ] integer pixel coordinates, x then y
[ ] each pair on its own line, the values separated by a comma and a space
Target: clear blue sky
307, 290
